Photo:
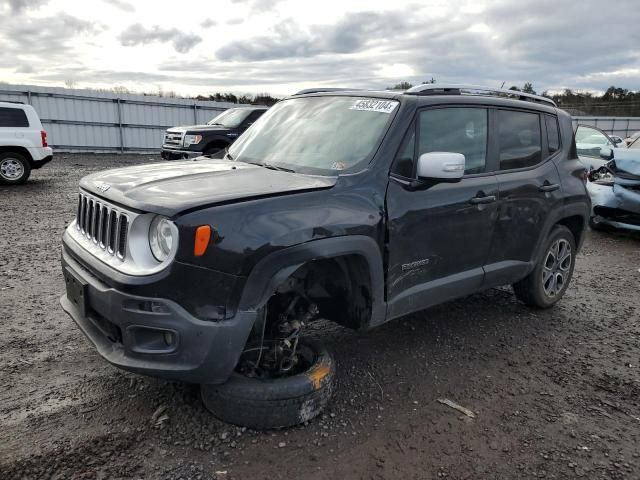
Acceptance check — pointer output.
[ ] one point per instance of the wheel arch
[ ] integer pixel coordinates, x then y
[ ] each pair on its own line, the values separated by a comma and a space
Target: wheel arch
18, 149
216, 142
354, 263
574, 217
577, 225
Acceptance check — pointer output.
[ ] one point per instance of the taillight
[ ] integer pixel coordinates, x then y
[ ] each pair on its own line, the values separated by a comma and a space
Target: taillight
43, 136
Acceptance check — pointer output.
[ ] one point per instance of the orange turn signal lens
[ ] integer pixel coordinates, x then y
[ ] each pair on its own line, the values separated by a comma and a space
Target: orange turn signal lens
203, 235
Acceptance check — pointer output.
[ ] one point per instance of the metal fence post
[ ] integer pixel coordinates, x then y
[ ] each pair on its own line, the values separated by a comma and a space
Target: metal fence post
29, 97
627, 132
195, 114
120, 126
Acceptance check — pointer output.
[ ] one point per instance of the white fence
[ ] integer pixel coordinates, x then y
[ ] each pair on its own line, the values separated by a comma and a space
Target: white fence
85, 120
621, 126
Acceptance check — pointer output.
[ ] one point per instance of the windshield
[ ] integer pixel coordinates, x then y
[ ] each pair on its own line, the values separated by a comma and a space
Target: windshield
316, 135
231, 118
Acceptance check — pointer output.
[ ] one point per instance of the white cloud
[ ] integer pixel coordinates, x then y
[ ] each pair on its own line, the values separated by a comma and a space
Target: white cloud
279, 46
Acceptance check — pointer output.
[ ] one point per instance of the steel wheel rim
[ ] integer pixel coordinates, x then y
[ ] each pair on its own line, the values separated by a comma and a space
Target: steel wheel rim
556, 268
11, 168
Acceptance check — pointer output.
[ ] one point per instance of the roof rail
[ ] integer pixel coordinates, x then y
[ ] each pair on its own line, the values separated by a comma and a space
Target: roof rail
324, 89
432, 89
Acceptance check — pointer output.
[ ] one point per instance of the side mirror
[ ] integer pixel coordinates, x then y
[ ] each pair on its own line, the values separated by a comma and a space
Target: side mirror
443, 166
606, 153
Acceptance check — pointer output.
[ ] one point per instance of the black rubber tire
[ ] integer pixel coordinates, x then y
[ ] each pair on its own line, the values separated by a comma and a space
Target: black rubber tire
276, 403
26, 168
530, 290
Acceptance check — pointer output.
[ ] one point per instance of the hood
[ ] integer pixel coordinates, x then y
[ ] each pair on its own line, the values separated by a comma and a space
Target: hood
172, 187
199, 128
627, 160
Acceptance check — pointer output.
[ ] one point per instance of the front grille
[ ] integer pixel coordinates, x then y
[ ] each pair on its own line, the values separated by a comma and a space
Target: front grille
103, 224
173, 139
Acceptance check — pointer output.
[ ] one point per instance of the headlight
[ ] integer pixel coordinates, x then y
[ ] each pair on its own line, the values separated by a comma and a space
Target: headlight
191, 140
161, 238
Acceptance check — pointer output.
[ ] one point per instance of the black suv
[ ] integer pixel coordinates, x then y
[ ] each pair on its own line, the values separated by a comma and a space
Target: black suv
353, 206
217, 134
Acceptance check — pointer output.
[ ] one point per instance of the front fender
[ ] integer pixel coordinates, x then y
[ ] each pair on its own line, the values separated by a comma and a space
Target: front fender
274, 269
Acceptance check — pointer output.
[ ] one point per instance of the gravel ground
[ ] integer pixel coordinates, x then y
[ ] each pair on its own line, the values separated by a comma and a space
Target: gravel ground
556, 393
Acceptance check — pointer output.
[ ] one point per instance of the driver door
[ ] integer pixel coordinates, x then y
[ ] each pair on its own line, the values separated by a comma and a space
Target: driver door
439, 237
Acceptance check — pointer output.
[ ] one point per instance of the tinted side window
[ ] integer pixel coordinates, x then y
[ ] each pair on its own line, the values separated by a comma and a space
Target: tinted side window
553, 134
519, 139
458, 130
13, 117
253, 116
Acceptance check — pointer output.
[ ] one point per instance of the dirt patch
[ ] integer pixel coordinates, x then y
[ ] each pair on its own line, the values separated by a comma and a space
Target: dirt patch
555, 393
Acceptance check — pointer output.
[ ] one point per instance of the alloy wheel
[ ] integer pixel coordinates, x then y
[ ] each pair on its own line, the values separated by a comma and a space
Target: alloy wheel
557, 266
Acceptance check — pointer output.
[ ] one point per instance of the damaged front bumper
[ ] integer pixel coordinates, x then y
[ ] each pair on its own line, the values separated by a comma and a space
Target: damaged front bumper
146, 332
617, 203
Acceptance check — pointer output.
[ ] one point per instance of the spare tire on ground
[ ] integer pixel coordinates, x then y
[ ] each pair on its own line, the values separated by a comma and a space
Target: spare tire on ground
277, 402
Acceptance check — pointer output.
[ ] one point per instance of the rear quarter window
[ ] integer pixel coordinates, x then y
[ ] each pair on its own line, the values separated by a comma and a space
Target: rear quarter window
13, 117
553, 133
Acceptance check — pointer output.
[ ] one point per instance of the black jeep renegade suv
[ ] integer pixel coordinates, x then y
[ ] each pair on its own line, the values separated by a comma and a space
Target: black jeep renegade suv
353, 206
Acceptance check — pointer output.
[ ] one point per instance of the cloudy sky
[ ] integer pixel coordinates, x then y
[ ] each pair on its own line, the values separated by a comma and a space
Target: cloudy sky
280, 46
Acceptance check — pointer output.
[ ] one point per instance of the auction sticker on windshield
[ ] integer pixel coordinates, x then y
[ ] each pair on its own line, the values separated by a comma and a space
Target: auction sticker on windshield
374, 105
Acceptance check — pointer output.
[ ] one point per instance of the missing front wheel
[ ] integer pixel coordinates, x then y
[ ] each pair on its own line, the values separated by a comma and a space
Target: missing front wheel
274, 350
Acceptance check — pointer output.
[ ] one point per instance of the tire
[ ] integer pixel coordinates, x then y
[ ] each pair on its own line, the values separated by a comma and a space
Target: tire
540, 291
14, 168
275, 403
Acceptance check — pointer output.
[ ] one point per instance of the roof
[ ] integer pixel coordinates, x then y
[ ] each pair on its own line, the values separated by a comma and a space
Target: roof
453, 93
252, 107
12, 104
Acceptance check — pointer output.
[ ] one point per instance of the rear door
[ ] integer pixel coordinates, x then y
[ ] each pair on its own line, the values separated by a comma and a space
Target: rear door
439, 236
529, 186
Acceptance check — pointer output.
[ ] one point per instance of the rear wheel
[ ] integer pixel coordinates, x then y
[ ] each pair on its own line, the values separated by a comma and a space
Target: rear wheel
14, 168
548, 281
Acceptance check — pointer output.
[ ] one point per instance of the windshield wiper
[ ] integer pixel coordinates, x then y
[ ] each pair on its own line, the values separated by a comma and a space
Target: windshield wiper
276, 167
272, 167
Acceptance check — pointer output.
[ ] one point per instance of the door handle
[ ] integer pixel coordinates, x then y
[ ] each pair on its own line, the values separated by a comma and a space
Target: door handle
483, 200
549, 187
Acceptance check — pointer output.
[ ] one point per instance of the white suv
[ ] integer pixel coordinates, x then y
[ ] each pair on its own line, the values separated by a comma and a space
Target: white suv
23, 142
